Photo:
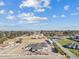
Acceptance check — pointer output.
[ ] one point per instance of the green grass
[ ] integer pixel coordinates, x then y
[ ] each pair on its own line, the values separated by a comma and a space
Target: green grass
66, 41
76, 52
58, 49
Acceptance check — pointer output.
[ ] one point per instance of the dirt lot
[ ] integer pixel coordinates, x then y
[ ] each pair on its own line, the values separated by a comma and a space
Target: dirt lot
25, 41
34, 57
19, 51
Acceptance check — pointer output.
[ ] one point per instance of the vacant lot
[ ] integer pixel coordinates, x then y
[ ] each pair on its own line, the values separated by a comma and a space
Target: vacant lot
25, 41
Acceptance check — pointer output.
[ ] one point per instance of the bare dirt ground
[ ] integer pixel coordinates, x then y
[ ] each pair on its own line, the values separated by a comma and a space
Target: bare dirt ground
33, 57
19, 51
25, 41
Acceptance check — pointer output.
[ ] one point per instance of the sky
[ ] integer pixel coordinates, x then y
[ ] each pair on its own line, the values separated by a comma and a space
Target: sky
39, 15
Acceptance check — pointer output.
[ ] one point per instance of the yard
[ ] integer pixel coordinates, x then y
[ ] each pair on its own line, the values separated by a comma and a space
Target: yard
66, 41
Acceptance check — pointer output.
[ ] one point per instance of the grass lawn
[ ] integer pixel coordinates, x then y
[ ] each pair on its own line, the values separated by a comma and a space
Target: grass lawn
66, 41
76, 52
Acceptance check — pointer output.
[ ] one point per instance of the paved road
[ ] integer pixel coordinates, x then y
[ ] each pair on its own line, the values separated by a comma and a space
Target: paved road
66, 50
53, 54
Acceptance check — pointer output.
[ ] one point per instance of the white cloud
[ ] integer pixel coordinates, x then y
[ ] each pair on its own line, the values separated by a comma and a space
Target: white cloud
29, 3
46, 2
58, 1
2, 11
40, 10
11, 17
78, 8
66, 7
63, 16
10, 12
54, 16
36, 4
74, 14
30, 18
40, 24
2, 3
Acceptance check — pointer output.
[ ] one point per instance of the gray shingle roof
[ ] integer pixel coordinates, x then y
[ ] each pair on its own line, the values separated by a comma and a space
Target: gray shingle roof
37, 45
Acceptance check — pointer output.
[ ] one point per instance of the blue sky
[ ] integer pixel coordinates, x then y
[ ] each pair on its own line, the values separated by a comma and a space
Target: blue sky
39, 14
